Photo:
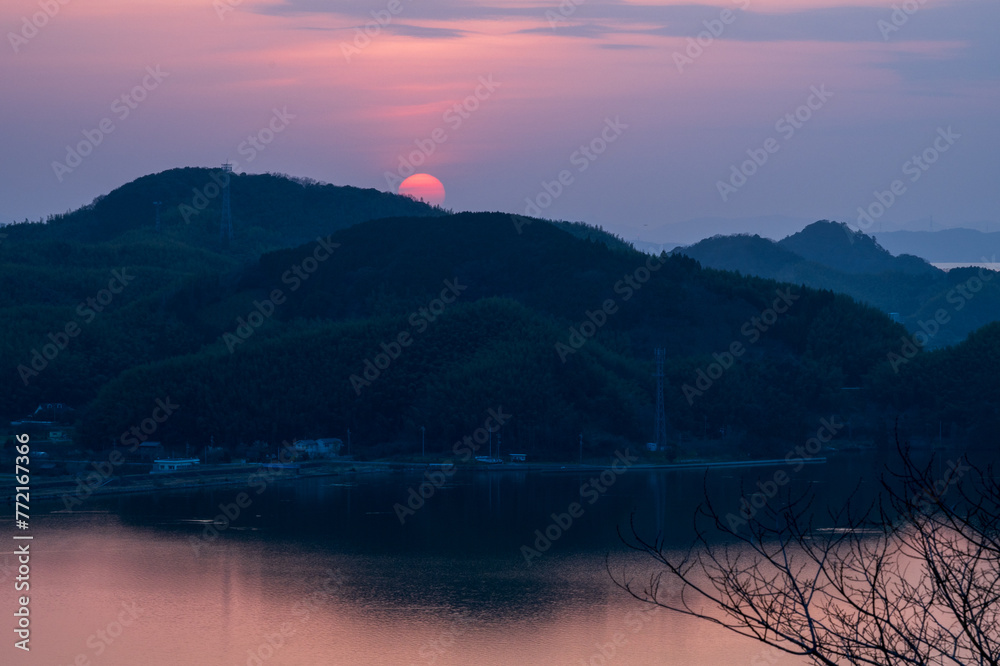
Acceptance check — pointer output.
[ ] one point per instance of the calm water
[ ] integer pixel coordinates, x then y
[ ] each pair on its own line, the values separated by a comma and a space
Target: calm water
322, 572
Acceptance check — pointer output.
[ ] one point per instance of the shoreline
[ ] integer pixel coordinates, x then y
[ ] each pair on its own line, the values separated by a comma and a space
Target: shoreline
70, 490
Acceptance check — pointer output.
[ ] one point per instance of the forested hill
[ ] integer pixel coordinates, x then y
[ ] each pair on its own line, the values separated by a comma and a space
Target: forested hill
829, 255
839, 247
268, 210
514, 334
391, 324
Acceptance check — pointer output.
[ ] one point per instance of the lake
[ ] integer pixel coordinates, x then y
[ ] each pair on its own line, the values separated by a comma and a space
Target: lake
323, 571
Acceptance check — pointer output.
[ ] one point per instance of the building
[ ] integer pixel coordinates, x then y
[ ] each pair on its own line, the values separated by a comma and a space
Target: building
45, 416
319, 448
174, 464
150, 451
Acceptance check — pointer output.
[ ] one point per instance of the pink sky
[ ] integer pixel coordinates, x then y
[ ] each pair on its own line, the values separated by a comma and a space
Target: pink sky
349, 118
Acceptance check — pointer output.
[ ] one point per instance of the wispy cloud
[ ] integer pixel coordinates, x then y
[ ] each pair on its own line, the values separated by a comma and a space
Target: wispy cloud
964, 30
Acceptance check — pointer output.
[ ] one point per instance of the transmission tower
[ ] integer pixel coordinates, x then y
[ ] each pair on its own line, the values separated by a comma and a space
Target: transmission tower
226, 225
660, 427
156, 204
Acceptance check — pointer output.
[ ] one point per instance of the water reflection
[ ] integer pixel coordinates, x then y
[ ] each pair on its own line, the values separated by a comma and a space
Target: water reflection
322, 571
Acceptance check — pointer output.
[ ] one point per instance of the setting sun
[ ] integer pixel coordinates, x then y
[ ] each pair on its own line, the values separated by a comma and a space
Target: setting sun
423, 187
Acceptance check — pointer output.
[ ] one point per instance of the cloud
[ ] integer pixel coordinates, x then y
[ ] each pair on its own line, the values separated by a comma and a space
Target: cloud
969, 19
438, 10
425, 32
623, 47
589, 30
968, 27
407, 30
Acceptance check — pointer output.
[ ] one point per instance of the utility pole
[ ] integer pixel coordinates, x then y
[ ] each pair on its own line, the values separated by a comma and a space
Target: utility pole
423, 450
226, 223
348, 441
660, 426
581, 448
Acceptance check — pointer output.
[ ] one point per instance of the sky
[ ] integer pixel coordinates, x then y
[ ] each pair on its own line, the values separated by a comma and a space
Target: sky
657, 120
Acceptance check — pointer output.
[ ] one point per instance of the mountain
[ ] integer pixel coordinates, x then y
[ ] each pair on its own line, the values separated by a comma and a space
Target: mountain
432, 321
696, 229
751, 255
828, 255
944, 246
388, 325
935, 392
269, 210
597, 233
837, 246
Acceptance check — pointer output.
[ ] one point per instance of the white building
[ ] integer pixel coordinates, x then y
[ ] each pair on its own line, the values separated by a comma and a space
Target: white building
174, 464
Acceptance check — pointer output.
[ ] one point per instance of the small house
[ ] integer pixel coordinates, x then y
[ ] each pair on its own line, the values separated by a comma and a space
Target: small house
150, 451
174, 464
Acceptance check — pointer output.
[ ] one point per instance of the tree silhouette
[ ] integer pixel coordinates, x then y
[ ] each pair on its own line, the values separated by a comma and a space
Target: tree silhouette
911, 578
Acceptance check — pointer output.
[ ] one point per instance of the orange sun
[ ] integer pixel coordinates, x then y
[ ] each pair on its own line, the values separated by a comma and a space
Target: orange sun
423, 187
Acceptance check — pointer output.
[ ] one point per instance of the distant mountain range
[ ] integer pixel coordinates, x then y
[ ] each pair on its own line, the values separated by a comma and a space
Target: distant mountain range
953, 245
944, 246
694, 230
829, 255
